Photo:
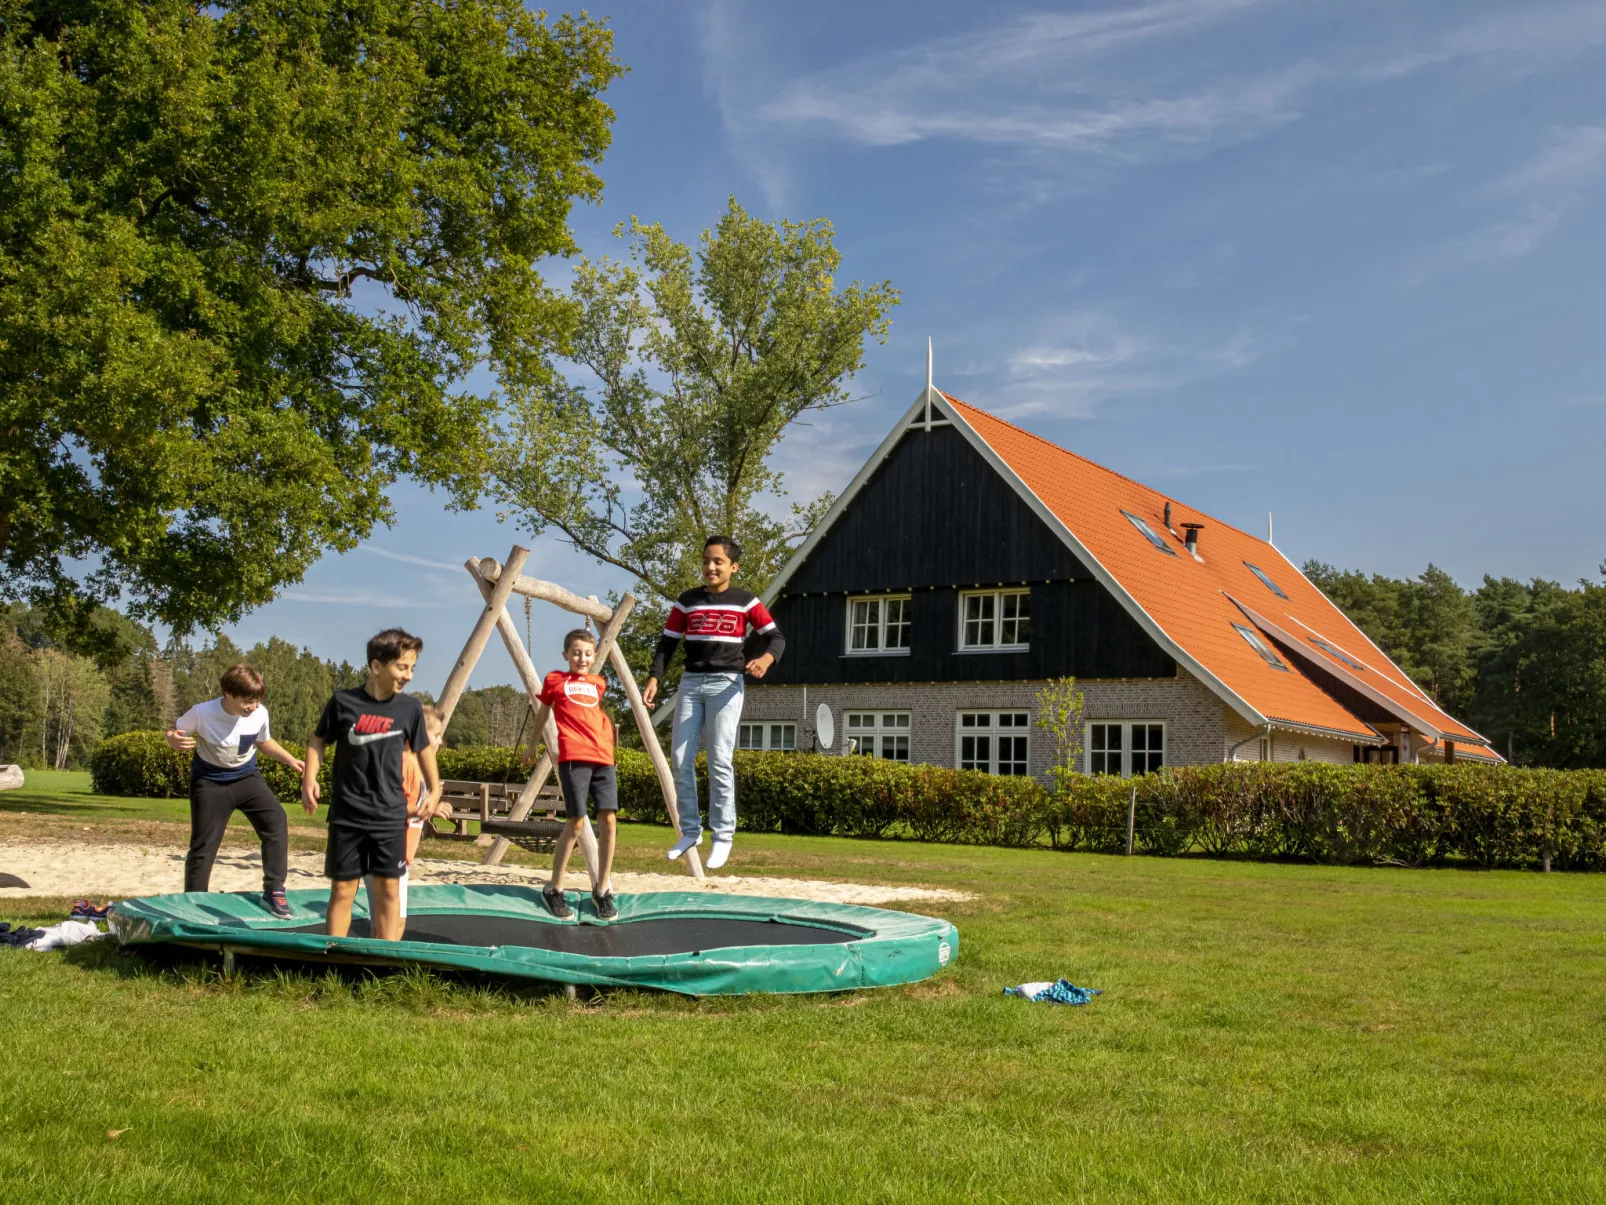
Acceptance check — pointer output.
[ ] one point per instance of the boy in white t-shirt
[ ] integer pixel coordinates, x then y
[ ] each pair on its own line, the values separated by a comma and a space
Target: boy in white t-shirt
224, 734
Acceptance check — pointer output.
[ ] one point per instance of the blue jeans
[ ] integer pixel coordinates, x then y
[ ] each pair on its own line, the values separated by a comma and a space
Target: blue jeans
712, 704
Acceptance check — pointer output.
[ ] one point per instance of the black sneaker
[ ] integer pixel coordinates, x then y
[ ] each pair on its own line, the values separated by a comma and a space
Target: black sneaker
555, 903
275, 903
605, 906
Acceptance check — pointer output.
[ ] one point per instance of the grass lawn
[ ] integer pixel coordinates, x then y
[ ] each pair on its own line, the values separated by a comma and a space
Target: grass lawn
1268, 1032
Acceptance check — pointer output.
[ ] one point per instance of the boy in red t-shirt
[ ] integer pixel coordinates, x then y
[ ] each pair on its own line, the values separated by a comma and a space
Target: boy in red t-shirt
585, 767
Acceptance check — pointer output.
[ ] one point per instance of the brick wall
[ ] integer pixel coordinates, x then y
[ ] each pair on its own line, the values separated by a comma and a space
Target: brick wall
1195, 718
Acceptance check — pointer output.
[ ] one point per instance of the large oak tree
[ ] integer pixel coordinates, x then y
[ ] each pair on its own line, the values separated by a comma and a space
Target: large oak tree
249, 253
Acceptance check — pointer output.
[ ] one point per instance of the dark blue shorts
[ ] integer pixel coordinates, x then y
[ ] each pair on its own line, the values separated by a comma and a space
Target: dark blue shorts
587, 778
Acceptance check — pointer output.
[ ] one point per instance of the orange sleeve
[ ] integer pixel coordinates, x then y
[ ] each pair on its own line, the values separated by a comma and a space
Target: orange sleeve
412, 777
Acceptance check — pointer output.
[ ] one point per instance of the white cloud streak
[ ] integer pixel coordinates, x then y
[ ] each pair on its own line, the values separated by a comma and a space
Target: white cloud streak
1536, 197
362, 598
1115, 87
1091, 358
407, 558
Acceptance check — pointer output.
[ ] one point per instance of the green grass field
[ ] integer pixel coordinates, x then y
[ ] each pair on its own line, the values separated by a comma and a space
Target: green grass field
1268, 1032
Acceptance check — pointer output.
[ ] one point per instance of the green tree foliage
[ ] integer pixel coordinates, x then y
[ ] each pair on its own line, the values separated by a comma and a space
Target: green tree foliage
1523, 663
700, 362
298, 685
19, 700
73, 694
249, 254
1060, 704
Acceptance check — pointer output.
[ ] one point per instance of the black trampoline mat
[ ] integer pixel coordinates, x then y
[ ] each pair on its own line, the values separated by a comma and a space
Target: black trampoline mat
621, 939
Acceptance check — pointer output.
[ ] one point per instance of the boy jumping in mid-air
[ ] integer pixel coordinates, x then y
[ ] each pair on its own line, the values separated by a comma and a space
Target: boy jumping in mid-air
585, 768
224, 735
371, 725
715, 621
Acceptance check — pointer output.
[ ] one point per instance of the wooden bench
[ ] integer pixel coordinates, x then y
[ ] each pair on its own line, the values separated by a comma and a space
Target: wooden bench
489, 802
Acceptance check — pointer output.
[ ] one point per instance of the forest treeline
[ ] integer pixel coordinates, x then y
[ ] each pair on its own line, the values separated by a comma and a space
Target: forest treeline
59, 699
1523, 662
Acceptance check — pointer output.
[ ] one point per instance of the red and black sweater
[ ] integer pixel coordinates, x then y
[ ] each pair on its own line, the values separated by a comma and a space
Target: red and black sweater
716, 628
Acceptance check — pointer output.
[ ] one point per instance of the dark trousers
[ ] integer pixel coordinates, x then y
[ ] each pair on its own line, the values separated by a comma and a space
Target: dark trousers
211, 805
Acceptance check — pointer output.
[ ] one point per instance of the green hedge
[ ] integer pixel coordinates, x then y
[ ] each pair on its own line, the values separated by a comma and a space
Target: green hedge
140, 764
1493, 816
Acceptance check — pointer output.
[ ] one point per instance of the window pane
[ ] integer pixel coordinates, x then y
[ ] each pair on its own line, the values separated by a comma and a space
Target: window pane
1015, 624
896, 748
975, 753
1012, 755
980, 615
1150, 534
861, 719
1265, 581
750, 736
1260, 646
1097, 736
897, 624
897, 720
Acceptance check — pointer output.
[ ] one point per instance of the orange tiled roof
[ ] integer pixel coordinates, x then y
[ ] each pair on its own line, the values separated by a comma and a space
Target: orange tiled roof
1196, 603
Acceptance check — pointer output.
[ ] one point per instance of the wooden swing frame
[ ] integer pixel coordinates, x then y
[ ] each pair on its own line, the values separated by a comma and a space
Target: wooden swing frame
497, 584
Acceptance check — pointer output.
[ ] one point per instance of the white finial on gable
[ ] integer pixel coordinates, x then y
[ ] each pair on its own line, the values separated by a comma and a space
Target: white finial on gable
1268, 528
928, 382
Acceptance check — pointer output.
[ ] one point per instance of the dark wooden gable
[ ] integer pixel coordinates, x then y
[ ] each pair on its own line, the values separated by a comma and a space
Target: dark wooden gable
935, 519
934, 514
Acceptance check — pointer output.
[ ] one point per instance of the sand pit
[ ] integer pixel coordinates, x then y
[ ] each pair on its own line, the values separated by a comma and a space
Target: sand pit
117, 871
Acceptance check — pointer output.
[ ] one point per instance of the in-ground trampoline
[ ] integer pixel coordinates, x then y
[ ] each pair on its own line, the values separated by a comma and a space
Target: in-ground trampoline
696, 943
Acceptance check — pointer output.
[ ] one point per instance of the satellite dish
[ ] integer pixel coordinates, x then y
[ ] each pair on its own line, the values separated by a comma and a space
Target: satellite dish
824, 727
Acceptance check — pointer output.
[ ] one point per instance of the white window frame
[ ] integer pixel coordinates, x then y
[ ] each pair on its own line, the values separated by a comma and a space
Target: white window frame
881, 625
881, 736
997, 621
1126, 727
1019, 726
772, 736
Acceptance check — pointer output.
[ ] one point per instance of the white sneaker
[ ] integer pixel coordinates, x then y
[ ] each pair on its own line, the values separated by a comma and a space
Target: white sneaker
681, 846
717, 855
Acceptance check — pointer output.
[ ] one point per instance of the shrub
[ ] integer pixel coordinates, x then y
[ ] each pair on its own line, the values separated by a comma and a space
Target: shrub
1494, 816
140, 764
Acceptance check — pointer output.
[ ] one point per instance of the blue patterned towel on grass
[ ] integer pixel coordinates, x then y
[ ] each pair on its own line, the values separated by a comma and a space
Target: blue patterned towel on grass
1061, 991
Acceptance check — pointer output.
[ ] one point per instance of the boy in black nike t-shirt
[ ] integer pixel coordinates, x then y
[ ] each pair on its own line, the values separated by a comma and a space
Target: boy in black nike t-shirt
371, 727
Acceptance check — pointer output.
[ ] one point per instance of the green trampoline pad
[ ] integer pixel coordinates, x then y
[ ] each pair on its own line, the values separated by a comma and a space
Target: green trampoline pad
695, 943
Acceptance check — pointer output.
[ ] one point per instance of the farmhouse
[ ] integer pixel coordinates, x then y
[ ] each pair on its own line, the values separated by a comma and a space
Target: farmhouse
971, 561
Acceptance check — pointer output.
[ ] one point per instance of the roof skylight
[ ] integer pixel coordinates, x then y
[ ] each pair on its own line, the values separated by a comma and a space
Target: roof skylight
1264, 580
1260, 646
1334, 651
1150, 534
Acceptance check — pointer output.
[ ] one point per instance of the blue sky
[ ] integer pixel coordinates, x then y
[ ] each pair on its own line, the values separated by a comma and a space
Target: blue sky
1341, 262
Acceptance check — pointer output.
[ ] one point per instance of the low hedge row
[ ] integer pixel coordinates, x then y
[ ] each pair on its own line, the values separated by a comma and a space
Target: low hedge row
1493, 816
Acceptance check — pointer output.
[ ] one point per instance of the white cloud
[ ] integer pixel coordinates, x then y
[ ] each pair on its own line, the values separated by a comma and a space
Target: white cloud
407, 558
1536, 197
1091, 358
1064, 93
1030, 83
362, 598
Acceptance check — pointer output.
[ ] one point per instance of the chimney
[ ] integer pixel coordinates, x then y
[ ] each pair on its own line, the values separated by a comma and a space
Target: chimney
1168, 526
1192, 538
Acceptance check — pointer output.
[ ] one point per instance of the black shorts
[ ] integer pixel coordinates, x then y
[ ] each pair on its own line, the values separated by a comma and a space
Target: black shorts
356, 851
582, 778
